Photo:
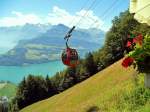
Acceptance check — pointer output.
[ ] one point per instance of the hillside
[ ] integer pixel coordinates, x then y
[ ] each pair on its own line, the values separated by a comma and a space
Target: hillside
102, 92
7, 89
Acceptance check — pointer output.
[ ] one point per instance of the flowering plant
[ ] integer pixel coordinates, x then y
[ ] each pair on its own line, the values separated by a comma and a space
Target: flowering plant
140, 53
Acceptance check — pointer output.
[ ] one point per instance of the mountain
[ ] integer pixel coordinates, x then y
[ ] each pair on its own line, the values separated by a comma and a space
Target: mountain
103, 92
48, 46
11, 35
96, 33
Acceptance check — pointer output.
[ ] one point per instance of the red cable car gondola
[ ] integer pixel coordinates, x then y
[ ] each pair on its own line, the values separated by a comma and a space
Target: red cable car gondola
69, 56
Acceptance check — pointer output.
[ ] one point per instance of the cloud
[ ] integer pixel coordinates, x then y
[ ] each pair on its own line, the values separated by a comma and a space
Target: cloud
59, 16
90, 20
87, 18
19, 19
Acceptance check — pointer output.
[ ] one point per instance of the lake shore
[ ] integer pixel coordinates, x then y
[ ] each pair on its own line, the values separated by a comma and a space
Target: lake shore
15, 74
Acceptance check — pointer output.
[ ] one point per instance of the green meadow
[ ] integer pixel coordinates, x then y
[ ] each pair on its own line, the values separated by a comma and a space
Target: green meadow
7, 89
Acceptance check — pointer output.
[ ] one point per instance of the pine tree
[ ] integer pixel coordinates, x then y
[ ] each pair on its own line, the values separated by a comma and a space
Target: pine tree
89, 64
51, 90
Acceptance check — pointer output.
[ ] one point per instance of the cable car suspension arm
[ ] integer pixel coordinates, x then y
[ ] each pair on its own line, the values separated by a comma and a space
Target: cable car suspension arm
68, 35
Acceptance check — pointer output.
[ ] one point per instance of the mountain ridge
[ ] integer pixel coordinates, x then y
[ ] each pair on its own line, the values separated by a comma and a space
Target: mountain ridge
49, 45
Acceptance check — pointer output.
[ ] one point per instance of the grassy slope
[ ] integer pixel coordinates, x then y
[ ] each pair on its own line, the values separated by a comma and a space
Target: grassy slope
101, 90
8, 90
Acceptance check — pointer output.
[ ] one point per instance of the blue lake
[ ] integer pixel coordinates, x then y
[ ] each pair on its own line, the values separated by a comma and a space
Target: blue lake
16, 73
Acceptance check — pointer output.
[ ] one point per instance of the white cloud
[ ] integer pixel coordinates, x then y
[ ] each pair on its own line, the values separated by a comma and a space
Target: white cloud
90, 20
87, 19
19, 19
59, 16
56, 16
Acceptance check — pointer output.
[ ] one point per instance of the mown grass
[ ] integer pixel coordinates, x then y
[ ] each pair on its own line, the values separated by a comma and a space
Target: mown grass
8, 90
107, 91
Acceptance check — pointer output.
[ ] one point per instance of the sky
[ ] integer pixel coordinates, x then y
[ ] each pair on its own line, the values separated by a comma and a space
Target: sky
82, 13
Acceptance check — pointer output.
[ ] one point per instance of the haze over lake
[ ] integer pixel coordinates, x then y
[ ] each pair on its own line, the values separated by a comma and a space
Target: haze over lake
16, 73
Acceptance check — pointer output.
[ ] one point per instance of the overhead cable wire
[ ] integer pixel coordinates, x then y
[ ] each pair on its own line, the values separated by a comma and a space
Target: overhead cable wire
105, 16
83, 7
135, 12
85, 14
93, 9
143, 8
105, 12
68, 34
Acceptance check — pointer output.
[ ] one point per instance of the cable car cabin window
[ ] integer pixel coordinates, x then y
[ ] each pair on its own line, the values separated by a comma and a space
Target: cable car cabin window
73, 55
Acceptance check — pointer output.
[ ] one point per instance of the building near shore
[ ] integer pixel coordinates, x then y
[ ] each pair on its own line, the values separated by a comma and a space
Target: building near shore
4, 104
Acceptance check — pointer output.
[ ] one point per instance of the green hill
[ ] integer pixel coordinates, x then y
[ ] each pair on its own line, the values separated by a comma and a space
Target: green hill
102, 92
7, 89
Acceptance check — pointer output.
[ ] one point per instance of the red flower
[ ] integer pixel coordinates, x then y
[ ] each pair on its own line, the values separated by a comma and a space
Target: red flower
129, 44
127, 62
138, 39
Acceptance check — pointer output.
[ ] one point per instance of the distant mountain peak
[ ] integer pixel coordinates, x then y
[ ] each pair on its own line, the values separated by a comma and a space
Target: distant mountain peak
62, 26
